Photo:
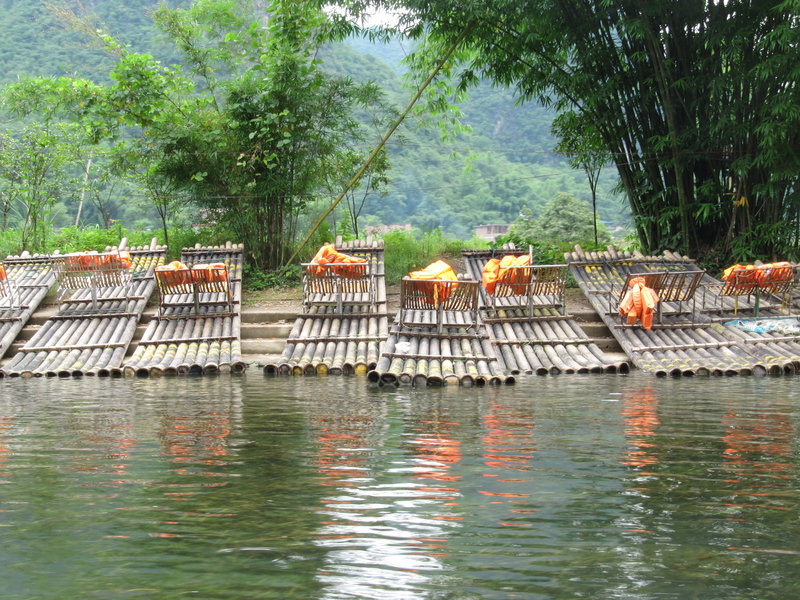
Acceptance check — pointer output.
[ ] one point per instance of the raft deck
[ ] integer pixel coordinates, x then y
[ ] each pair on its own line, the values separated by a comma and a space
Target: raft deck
90, 333
691, 338
195, 334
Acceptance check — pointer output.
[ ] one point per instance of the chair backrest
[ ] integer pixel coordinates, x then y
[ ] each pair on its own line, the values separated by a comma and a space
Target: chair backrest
671, 286
78, 271
533, 280
337, 278
427, 294
189, 281
777, 279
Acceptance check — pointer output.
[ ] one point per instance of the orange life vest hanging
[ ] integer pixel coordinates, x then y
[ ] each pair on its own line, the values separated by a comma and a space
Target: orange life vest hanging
638, 303
430, 281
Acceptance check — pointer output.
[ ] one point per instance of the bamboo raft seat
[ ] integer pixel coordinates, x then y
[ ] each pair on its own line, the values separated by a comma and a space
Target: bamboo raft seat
439, 297
675, 287
104, 276
755, 284
530, 287
201, 286
338, 285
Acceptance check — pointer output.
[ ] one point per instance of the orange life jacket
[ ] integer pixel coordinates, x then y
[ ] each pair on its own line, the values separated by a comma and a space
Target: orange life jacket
489, 275
2, 273
351, 267
174, 274
497, 271
213, 273
344, 265
775, 274
638, 303
84, 260
430, 281
120, 259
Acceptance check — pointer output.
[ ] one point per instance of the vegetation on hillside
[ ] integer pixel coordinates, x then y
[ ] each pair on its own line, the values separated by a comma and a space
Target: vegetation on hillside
697, 103
502, 164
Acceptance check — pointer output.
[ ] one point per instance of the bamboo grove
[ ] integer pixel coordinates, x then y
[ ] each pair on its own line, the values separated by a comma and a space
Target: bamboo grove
696, 101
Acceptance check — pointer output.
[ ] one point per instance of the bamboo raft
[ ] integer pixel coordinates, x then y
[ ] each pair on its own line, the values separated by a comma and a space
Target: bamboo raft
78, 341
188, 338
328, 341
690, 339
544, 342
30, 277
427, 347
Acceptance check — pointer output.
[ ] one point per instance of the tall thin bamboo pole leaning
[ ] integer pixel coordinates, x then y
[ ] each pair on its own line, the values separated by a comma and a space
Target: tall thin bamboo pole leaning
382, 143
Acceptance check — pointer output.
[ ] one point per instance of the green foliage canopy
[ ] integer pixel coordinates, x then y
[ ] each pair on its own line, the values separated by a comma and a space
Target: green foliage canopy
253, 130
698, 103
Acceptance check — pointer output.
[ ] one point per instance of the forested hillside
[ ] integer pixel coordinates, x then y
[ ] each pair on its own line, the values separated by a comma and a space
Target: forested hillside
503, 164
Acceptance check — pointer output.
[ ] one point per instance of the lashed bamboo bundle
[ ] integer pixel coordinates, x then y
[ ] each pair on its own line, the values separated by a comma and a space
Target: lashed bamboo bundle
185, 340
461, 354
685, 342
74, 343
326, 341
543, 342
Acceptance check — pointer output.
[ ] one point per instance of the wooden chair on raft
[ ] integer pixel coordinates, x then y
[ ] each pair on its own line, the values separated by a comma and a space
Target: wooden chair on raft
439, 296
754, 283
93, 271
338, 284
676, 287
204, 289
529, 287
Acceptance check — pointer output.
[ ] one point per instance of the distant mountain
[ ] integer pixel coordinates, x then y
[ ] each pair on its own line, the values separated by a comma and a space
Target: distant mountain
487, 175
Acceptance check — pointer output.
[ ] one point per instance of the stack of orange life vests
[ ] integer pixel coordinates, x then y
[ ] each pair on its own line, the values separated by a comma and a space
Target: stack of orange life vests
344, 265
747, 277
174, 274
213, 273
93, 260
429, 281
638, 303
497, 271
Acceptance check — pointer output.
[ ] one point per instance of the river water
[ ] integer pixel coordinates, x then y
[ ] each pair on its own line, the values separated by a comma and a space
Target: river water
597, 486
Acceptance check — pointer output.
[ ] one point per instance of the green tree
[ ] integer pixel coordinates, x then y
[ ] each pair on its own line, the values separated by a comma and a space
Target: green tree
581, 144
251, 131
34, 176
565, 220
697, 103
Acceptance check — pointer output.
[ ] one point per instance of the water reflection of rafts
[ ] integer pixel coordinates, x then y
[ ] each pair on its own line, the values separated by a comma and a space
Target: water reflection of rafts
379, 540
640, 411
759, 441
